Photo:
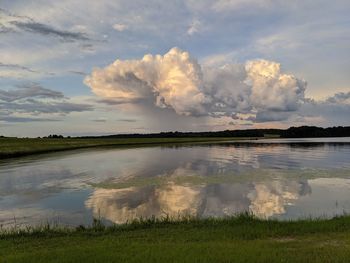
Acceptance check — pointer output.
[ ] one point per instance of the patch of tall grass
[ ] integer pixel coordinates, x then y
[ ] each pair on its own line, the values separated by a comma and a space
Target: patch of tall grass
243, 225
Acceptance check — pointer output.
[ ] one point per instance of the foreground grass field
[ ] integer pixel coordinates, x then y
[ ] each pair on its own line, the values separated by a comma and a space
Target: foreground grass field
15, 147
238, 239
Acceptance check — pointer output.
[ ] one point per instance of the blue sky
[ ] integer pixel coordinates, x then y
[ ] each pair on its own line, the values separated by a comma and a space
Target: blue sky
255, 63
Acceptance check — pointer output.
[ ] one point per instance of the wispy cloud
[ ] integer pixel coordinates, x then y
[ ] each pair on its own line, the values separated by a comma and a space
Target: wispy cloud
77, 72
100, 119
31, 90
29, 100
17, 66
13, 23
341, 97
127, 120
120, 27
25, 119
32, 106
17, 71
46, 30
194, 27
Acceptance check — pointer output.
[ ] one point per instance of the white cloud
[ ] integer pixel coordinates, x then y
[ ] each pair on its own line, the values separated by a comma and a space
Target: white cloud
173, 80
194, 27
176, 80
229, 5
222, 6
120, 27
272, 90
310, 39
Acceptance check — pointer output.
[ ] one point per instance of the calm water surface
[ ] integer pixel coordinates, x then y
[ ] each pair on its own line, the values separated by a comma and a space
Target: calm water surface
280, 178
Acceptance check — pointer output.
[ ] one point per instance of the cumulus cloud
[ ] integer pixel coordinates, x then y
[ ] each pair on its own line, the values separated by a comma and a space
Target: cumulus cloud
272, 90
172, 80
177, 81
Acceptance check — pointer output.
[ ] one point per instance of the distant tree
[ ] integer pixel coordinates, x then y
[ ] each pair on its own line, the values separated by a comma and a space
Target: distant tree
55, 136
312, 131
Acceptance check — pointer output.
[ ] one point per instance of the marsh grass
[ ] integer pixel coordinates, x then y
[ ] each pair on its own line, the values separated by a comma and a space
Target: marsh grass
240, 238
16, 147
246, 225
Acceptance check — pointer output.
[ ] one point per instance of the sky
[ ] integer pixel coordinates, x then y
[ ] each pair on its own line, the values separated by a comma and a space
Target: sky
83, 67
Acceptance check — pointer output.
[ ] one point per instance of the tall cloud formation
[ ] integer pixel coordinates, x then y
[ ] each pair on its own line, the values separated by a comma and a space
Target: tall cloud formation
177, 81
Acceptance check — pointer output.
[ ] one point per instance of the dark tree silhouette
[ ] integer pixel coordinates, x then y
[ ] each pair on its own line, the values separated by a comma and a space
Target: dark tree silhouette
312, 131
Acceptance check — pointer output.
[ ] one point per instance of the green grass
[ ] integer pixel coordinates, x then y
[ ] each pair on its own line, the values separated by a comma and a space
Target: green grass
238, 239
15, 147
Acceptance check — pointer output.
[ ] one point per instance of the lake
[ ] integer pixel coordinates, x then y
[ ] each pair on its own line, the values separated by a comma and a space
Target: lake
271, 178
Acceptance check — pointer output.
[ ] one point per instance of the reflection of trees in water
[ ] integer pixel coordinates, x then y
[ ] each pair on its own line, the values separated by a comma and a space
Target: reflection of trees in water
264, 199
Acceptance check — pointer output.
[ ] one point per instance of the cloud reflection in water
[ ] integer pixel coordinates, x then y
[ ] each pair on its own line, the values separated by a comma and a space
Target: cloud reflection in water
263, 199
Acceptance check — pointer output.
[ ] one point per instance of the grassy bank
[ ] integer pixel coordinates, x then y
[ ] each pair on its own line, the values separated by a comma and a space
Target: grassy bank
15, 147
237, 239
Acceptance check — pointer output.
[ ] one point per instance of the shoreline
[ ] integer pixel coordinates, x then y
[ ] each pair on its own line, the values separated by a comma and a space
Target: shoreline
19, 147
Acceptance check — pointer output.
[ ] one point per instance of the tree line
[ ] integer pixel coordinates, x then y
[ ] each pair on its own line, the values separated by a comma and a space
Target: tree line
292, 132
313, 131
